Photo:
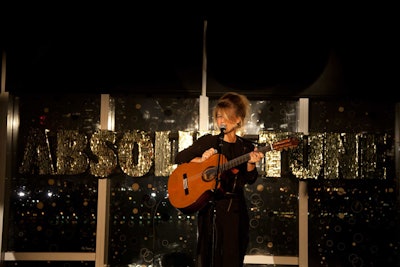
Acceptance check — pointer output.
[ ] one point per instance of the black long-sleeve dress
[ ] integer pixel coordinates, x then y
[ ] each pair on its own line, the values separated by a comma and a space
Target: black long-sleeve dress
229, 211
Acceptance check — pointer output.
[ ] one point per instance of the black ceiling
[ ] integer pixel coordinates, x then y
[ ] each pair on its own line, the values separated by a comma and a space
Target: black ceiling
275, 54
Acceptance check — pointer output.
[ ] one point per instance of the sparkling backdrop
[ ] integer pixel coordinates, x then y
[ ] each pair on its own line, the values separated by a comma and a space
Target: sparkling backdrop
53, 199
347, 159
355, 221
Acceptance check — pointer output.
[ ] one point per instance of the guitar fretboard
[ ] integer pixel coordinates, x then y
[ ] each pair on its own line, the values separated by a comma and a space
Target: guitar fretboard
243, 158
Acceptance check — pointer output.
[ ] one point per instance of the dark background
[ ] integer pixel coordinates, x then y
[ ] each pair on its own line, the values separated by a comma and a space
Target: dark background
278, 51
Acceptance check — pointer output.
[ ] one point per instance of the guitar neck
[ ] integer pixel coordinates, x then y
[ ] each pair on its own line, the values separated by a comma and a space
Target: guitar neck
243, 158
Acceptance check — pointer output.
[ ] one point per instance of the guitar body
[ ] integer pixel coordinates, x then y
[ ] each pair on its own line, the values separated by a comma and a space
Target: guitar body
191, 185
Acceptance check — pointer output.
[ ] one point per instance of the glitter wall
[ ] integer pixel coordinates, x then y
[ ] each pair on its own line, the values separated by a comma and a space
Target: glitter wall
52, 197
60, 154
354, 215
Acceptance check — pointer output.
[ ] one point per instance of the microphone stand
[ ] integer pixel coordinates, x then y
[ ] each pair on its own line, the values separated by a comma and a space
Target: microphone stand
220, 144
214, 216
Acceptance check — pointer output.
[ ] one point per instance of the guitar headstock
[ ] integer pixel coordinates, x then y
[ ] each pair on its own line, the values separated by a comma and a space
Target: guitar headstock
287, 143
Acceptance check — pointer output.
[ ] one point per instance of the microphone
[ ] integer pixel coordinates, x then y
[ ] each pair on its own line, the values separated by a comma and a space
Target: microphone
222, 127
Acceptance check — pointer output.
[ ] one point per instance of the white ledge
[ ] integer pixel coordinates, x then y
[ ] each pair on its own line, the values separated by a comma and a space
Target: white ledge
261, 259
49, 256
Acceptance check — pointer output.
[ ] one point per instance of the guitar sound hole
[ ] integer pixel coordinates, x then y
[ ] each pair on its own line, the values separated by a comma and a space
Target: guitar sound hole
209, 174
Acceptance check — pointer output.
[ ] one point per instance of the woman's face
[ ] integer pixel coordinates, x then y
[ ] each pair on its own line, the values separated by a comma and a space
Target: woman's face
227, 118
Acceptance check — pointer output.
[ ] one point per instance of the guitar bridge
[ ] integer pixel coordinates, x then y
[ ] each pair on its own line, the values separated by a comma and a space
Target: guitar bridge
185, 184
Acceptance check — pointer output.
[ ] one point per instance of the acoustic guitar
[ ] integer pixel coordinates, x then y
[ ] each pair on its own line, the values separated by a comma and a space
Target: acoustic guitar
191, 185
